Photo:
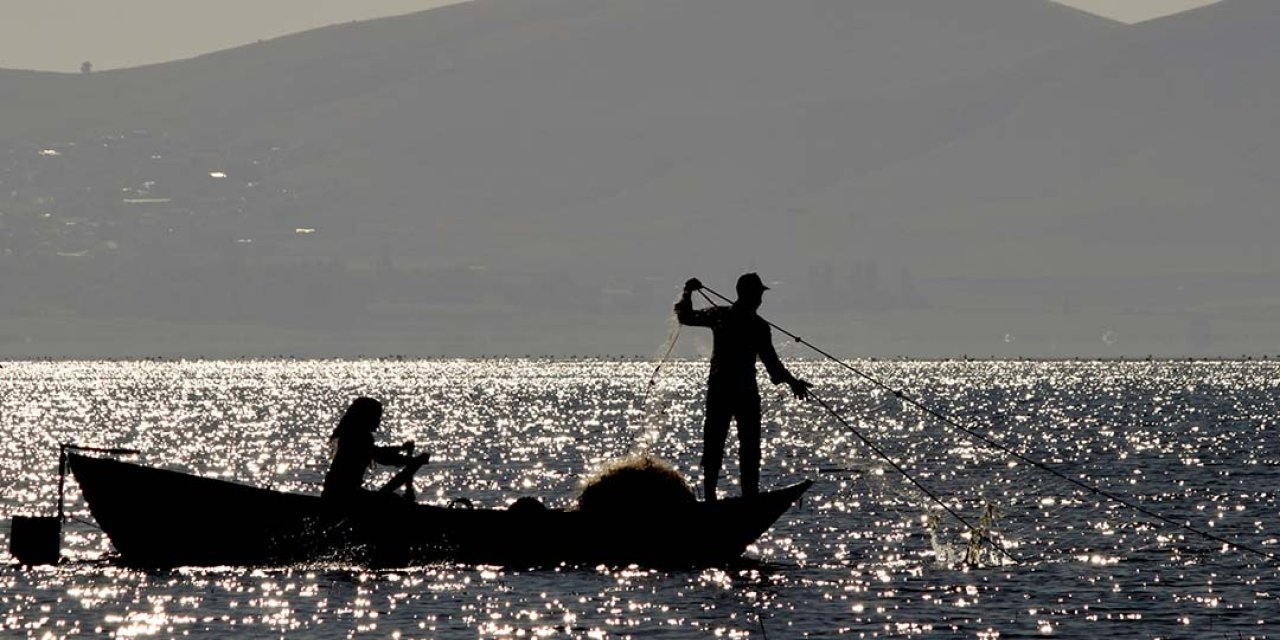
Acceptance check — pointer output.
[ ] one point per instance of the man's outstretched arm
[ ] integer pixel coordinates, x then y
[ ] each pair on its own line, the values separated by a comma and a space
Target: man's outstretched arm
778, 372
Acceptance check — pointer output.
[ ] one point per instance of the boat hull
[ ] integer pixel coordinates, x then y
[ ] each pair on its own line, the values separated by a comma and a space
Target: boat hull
161, 518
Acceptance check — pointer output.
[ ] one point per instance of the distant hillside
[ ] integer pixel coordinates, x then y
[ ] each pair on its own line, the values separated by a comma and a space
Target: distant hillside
255, 82
482, 176
1136, 179
1151, 147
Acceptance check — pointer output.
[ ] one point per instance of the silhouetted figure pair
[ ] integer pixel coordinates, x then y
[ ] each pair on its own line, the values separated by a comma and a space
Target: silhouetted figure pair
355, 453
739, 337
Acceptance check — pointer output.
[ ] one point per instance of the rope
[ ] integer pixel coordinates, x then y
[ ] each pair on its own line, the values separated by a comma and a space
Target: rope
982, 535
944, 419
648, 390
653, 377
85, 522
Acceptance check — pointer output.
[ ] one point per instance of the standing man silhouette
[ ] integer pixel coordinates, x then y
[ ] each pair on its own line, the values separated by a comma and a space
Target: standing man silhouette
739, 337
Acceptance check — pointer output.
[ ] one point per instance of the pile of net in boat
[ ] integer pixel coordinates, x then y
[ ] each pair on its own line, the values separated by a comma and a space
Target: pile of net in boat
639, 482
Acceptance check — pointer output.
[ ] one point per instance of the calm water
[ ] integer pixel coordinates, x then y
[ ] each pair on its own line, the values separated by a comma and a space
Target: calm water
859, 558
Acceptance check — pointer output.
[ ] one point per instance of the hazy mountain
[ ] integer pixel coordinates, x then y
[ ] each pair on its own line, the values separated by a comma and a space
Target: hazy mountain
1135, 180
539, 176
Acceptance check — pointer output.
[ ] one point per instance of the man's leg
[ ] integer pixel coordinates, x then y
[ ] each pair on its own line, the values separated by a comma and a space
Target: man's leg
715, 428
748, 415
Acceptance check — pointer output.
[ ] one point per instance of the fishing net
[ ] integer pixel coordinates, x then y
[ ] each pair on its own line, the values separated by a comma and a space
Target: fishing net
895, 464
642, 483
653, 410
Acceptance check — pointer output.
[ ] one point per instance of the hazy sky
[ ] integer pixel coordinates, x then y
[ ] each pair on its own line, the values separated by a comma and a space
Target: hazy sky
57, 35
1136, 10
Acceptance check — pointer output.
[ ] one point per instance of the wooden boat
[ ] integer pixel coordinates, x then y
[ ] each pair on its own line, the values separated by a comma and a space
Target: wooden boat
160, 518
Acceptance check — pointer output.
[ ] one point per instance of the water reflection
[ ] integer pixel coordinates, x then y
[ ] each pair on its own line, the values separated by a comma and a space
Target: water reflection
1195, 441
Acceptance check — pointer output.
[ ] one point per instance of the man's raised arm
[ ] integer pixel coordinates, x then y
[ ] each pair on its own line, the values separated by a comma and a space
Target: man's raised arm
685, 312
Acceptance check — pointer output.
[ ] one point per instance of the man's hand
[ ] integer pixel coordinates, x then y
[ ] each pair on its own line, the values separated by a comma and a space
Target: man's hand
407, 447
422, 458
800, 388
692, 284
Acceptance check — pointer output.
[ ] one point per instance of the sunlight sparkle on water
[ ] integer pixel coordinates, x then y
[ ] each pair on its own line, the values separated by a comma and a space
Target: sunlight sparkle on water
864, 555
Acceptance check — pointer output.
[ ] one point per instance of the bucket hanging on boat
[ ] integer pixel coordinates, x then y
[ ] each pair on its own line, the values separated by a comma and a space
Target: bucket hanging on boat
36, 540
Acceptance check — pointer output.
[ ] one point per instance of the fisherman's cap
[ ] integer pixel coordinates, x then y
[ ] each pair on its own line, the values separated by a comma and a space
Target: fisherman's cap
750, 283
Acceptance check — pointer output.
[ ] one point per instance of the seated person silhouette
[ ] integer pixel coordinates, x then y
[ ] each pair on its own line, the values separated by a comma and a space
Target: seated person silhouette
355, 453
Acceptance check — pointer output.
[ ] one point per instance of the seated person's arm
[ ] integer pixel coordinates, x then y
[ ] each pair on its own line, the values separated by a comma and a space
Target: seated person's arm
393, 456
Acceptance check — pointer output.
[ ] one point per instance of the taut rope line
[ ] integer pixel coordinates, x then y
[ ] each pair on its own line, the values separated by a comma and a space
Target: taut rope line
982, 535
1009, 451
